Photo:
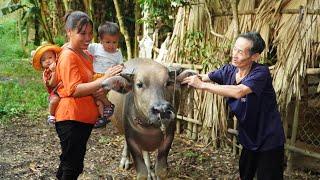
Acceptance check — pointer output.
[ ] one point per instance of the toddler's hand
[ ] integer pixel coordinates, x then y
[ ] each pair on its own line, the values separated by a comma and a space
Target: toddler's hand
52, 66
113, 71
100, 94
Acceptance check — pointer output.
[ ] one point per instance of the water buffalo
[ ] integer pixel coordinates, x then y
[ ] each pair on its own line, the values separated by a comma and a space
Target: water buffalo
143, 112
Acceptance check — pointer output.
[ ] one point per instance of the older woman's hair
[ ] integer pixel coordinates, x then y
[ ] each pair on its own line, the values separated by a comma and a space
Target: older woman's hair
77, 20
258, 43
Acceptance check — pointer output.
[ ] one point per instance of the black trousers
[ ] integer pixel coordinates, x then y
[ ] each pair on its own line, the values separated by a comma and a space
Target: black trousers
73, 137
268, 165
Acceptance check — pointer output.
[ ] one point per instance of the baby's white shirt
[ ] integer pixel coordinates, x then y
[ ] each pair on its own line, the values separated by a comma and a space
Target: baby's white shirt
102, 60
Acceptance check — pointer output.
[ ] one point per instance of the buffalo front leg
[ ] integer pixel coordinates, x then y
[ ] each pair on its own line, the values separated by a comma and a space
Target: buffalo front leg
161, 167
136, 152
125, 159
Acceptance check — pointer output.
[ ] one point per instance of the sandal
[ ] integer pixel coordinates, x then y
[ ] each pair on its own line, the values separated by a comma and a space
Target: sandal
101, 122
51, 119
108, 111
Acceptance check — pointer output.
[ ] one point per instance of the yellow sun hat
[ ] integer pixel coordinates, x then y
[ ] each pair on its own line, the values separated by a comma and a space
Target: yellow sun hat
36, 56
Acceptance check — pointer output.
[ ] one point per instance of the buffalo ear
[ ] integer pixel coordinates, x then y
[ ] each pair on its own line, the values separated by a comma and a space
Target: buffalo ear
186, 73
117, 83
174, 71
128, 74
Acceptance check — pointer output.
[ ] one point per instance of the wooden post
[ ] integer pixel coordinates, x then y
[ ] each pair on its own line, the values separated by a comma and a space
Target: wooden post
294, 133
303, 151
190, 113
194, 132
234, 138
178, 124
196, 113
288, 119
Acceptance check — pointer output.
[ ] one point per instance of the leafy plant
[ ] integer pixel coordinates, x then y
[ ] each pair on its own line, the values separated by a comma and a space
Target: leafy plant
21, 89
10, 48
104, 140
32, 18
191, 153
9, 9
159, 10
17, 99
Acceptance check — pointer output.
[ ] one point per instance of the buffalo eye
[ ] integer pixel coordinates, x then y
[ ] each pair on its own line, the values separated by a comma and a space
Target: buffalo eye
139, 84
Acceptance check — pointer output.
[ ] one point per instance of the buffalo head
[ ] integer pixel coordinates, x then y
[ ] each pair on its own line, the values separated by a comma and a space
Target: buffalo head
152, 85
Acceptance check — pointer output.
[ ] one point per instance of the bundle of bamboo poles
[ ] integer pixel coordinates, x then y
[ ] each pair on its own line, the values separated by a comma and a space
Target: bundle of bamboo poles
297, 40
191, 36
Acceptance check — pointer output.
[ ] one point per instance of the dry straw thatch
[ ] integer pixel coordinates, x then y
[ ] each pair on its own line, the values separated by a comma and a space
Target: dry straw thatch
204, 32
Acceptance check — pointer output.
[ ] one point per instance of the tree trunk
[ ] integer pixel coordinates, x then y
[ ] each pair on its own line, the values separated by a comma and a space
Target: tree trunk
43, 21
66, 5
58, 18
76, 5
137, 15
123, 28
235, 18
36, 34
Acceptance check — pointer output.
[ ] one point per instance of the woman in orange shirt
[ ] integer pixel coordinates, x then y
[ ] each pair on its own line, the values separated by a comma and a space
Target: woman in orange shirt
77, 111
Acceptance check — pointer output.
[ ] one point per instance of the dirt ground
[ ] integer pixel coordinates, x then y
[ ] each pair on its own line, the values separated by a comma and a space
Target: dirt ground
30, 150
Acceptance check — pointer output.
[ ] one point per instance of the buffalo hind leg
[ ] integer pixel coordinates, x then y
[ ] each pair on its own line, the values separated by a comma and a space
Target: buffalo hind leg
125, 158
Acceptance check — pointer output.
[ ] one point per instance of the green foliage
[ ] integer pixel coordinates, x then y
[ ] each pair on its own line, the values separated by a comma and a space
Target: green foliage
198, 49
31, 19
59, 40
193, 49
104, 140
10, 9
159, 10
21, 98
194, 155
21, 88
10, 48
191, 153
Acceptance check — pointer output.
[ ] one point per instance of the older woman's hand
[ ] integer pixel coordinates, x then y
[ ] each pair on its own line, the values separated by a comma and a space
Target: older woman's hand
193, 81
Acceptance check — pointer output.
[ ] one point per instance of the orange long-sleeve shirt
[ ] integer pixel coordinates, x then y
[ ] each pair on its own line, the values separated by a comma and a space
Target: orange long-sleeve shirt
72, 70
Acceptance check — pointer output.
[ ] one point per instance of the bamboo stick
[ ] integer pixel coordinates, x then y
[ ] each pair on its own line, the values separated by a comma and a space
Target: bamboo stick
235, 19
302, 151
195, 121
190, 112
234, 139
194, 131
137, 27
178, 126
313, 71
294, 133
283, 11
184, 66
123, 29
210, 24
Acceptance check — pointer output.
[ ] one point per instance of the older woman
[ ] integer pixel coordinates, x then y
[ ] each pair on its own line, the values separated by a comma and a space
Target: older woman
251, 97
